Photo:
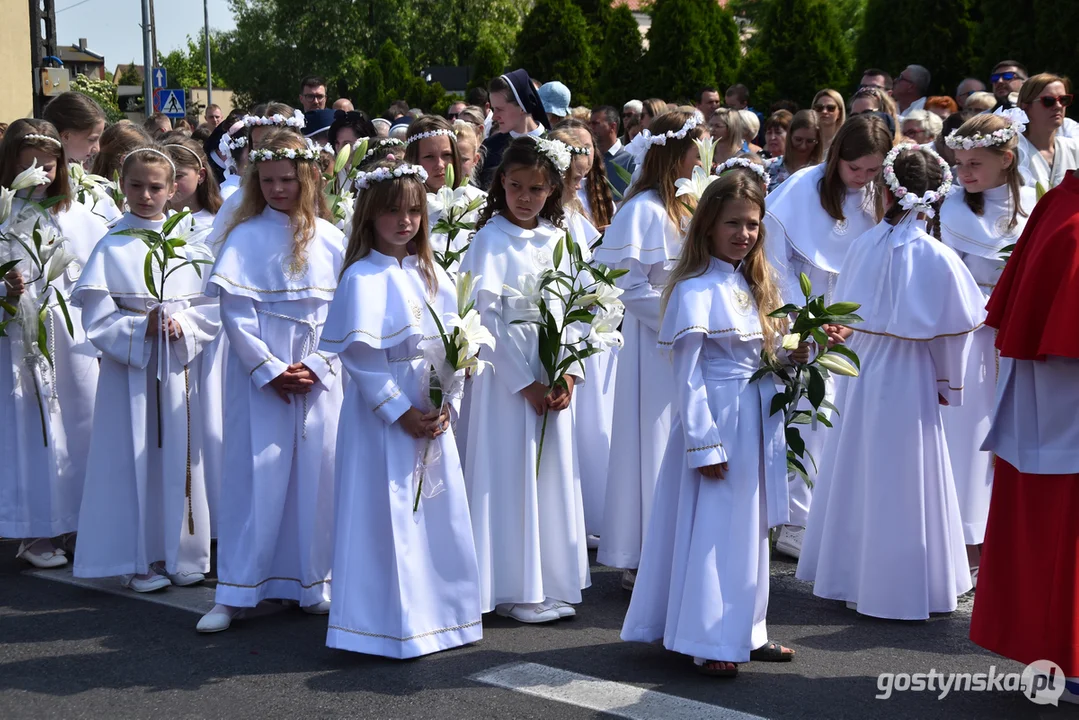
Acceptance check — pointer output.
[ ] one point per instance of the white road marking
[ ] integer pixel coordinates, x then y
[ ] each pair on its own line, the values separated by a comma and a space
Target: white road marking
196, 599
619, 699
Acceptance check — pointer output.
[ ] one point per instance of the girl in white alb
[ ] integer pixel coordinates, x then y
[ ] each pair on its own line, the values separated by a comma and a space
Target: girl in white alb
405, 575
884, 531
46, 407
144, 512
813, 219
529, 529
979, 222
644, 237
702, 587
276, 275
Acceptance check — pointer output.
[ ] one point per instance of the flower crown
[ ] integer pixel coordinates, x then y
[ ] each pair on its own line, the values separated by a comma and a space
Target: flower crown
430, 134
381, 143
364, 180
556, 151
311, 153
296, 121
579, 150
908, 200
645, 140
1018, 126
738, 162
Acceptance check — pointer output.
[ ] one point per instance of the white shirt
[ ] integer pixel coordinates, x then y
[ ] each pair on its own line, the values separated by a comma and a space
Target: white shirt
918, 104
615, 149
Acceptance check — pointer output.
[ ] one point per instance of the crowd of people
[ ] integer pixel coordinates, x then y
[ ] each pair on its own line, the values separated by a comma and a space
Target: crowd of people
275, 393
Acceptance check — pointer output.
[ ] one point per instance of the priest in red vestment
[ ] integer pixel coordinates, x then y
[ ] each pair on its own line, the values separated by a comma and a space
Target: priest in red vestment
1027, 604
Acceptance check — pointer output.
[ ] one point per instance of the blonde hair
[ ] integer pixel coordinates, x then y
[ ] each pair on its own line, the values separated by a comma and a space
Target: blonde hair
736, 129
580, 113
309, 206
980, 101
696, 252
376, 200
834, 94
569, 196
751, 125
986, 125
466, 133
660, 167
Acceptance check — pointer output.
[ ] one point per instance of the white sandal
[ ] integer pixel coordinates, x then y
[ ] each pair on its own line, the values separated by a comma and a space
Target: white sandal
47, 560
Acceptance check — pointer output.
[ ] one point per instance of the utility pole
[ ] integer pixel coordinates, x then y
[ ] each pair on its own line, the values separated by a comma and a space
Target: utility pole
147, 60
206, 36
153, 35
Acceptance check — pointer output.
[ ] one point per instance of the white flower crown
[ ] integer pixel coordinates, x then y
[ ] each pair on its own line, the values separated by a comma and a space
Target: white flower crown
908, 200
381, 143
309, 153
227, 146
645, 140
364, 180
556, 151
430, 134
582, 150
738, 162
296, 121
1018, 126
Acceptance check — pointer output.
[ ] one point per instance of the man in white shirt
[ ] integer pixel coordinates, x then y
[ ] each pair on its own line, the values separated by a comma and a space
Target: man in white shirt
910, 88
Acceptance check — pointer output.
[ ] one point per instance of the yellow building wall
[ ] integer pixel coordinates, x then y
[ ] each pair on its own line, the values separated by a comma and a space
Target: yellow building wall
16, 79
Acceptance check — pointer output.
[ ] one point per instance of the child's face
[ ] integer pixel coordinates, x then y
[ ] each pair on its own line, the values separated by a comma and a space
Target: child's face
187, 184
527, 190
81, 145
469, 156
858, 173
148, 188
397, 225
280, 184
981, 169
736, 230
690, 160
436, 154
575, 175
44, 160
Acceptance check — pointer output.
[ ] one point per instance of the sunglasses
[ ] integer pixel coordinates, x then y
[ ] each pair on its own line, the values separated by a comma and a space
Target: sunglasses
1051, 101
1006, 76
825, 108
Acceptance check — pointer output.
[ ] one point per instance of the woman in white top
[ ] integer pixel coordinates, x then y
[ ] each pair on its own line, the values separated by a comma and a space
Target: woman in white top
812, 220
1046, 156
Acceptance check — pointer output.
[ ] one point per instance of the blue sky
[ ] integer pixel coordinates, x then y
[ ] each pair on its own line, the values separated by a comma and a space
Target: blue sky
112, 27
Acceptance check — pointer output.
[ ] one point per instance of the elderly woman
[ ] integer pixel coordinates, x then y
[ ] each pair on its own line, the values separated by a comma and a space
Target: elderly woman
832, 113
921, 126
751, 128
980, 102
1044, 156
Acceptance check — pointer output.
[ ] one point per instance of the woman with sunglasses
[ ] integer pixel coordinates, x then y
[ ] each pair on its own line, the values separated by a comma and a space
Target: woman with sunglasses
828, 104
1045, 155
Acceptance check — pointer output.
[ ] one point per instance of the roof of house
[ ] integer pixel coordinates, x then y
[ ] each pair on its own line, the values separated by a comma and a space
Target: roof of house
121, 68
73, 53
641, 5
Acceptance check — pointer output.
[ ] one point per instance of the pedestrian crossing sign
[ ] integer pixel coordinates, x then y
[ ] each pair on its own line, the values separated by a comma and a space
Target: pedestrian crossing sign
170, 102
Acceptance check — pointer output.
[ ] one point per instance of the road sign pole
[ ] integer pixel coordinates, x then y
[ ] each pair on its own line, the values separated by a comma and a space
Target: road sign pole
147, 61
206, 35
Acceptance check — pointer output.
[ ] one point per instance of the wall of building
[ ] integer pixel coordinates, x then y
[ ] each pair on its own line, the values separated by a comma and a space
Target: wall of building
16, 78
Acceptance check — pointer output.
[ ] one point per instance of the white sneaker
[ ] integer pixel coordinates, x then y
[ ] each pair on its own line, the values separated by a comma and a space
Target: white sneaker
46, 559
527, 612
218, 619
319, 608
629, 578
974, 576
790, 541
145, 585
564, 609
593, 542
180, 579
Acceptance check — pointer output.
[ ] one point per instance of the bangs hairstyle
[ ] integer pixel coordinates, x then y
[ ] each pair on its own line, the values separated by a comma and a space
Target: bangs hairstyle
660, 167
523, 152
600, 197
860, 136
116, 142
15, 141
804, 120
310, 205
385, 197
73, 111
919, 172
697, 252
569, 195
188, 153
432, 123
986, 125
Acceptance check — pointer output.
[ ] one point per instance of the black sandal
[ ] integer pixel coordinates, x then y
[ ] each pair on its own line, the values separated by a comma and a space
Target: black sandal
772, 652
704, 669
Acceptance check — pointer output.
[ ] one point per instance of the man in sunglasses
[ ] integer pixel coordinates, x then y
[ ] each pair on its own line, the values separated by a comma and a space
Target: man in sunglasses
1007, 77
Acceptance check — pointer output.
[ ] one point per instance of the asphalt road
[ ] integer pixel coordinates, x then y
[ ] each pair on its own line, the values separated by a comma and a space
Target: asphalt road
74, 652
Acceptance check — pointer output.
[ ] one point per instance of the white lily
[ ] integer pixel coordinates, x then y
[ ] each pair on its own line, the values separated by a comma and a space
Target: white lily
838, 364
791, 341
604, 331
706, 147
473, 333
607, 295
7, 197
51, 240
32, 176
466, 288
59, 261
696, 184
528, 287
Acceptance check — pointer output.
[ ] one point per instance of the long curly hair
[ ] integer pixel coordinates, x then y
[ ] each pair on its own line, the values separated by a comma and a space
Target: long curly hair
697, 252
310, 205
523, 152
661, 165
600, 197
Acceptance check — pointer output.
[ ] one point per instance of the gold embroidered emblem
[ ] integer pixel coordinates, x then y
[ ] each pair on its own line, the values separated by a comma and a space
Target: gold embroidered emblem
542, 257
841, 227
1000, 227
417, 311
742, 301
294, 268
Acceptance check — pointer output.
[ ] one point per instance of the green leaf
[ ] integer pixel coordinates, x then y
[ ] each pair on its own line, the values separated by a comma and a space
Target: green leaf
761, 372
148, 274
820, 337
801, 417
624, 175
779, 402
847, 320
43, 335
816, 388
580, 315
784, 311
172, 222
847, 353
616, 273
795, 441
559, 249
823, 420
794, 464
63, 308
829, 406
8, 307
7, 267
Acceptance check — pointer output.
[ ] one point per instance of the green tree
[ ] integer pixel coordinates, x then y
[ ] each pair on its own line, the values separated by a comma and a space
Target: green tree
555, 44
1008, 34
1056, 40
130, 76
798, 50
488, 60
691, 44
103, 92
937, 34
186, 66
619, 76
